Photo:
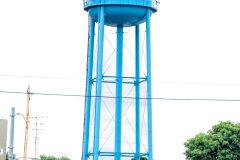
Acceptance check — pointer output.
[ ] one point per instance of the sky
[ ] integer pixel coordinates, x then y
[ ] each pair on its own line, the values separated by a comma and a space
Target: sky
195, 55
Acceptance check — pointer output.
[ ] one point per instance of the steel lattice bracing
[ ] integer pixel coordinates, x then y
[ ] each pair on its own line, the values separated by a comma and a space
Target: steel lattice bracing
119, 65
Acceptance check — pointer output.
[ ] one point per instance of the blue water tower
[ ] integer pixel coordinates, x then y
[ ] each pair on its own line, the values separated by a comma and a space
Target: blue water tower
114, 118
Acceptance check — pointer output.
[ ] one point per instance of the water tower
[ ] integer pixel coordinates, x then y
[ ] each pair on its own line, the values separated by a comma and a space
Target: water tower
118, 106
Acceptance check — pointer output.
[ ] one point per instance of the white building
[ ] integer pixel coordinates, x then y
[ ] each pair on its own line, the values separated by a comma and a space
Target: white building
3, 138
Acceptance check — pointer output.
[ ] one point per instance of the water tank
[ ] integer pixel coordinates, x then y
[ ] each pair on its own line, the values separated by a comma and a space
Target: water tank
121, 12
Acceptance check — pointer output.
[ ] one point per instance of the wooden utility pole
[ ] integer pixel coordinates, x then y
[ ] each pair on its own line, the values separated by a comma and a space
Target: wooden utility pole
26, 125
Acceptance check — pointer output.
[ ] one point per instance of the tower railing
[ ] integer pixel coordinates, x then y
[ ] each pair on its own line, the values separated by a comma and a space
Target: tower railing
149, 3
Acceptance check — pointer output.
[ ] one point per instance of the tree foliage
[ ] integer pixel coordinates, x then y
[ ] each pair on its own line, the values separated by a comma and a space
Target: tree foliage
7, 156
44, 157
141, 158
222, 142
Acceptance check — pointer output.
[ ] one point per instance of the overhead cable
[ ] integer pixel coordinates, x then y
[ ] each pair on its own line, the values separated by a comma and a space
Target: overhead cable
113, 97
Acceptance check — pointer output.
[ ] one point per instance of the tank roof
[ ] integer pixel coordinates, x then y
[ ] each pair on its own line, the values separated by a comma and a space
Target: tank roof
143, 3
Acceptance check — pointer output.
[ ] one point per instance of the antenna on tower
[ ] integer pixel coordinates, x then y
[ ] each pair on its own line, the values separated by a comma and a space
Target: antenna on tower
36, 137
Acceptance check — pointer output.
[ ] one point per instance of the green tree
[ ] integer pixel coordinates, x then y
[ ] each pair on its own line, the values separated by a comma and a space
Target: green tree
64, 158
222, 142
44, 157
7, 154
141, 158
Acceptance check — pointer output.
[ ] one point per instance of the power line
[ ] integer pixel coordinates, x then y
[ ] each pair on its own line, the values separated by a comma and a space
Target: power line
39, 77
113, 97
197, 83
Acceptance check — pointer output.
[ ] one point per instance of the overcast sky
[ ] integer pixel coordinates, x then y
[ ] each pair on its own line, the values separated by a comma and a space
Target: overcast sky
195, 54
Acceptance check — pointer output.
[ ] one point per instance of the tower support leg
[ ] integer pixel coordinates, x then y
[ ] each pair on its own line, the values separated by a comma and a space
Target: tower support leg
89, 88
98, 85
118, 110
137, 91
149, 85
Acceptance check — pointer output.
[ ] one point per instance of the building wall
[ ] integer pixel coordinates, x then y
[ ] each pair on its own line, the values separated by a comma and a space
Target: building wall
3, 138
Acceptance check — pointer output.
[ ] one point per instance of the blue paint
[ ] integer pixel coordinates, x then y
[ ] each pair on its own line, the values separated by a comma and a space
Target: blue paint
137, 91
153, 4
118, 110
149, 83
88, 89
119, 14
98, 85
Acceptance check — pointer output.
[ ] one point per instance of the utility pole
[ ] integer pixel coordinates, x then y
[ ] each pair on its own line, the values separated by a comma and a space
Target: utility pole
27, 125
11, 139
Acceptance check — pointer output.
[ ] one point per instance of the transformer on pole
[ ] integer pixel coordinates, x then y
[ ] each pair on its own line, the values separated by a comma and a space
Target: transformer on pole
117, 108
